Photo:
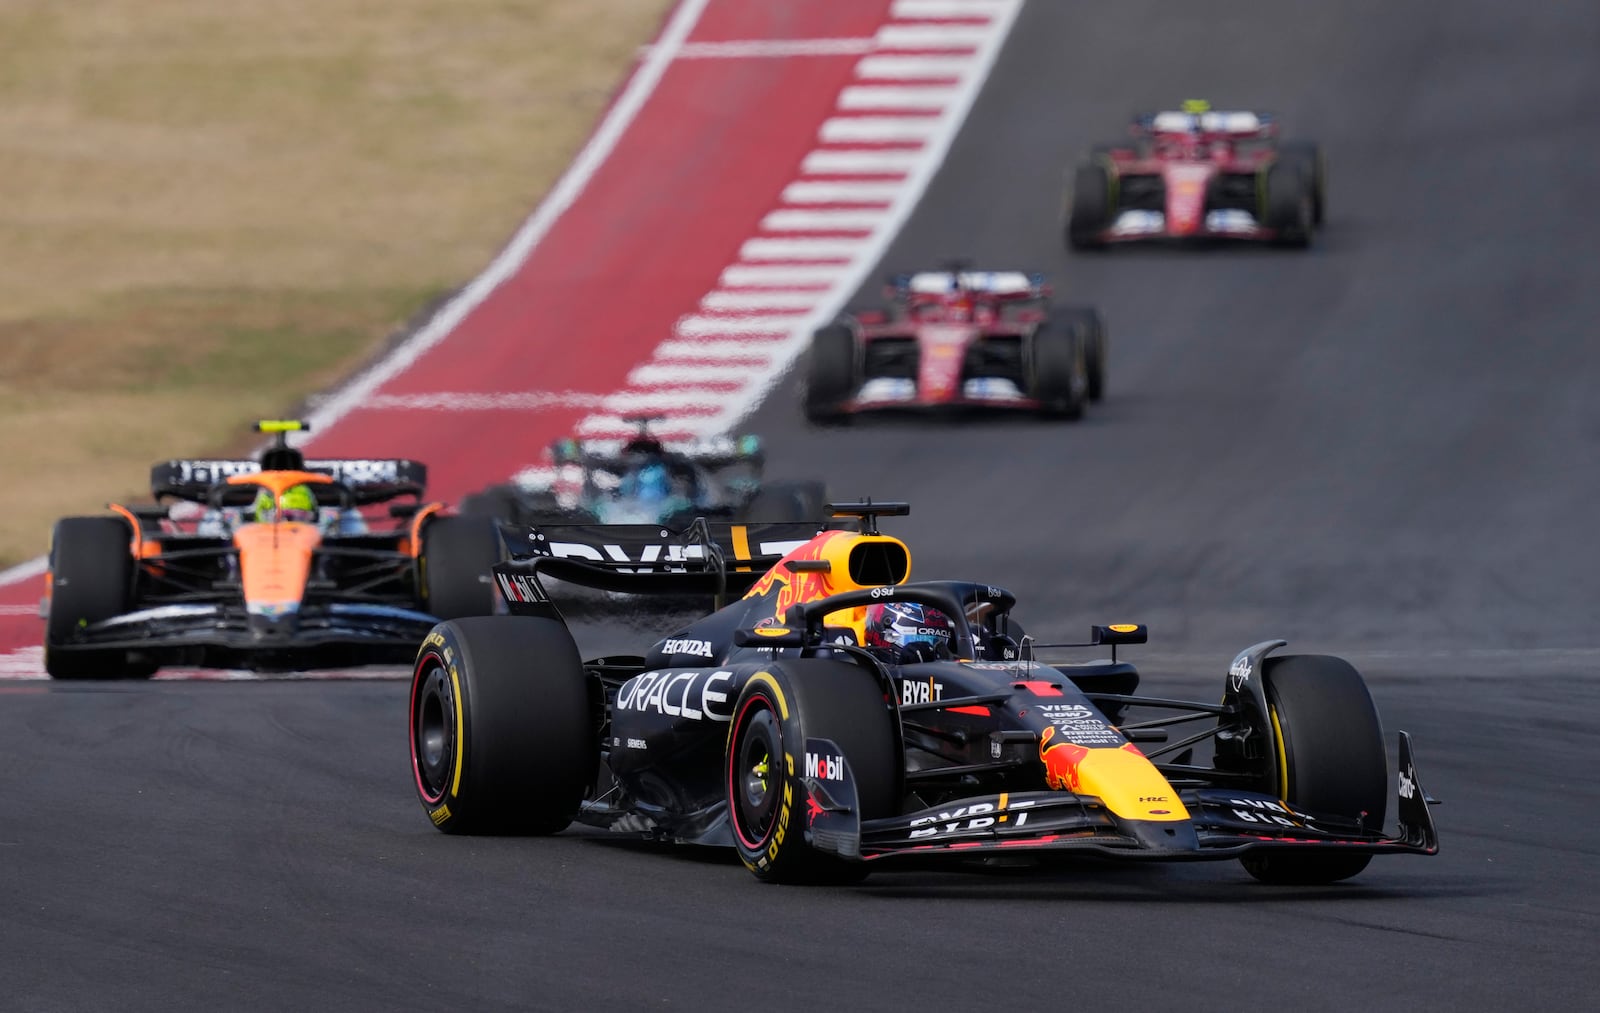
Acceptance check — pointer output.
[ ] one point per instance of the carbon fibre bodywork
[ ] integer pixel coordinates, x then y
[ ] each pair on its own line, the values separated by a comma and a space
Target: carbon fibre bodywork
998, 749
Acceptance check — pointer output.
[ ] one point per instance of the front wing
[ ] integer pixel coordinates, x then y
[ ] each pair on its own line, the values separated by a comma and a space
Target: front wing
1224, 824
225, 636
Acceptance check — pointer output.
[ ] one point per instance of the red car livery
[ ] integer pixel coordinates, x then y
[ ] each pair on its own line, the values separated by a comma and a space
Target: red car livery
958, 339
1198, 173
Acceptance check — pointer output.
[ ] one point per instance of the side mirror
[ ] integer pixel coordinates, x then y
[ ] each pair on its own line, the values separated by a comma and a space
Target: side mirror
769, 636
1119, 633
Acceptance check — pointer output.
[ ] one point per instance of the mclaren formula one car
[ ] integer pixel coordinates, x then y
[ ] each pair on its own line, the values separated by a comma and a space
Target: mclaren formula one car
833, 718
959, 339
1198, 173
266, 564
648, 481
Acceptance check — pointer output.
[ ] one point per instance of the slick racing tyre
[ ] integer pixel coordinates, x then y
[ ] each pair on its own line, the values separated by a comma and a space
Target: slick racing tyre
1309, 158
1091, 211
830, 374
500, 502
502, 734
457, 556
1058, 369
768, 801
1290, 207
1330, 749
91, 579
1088, 323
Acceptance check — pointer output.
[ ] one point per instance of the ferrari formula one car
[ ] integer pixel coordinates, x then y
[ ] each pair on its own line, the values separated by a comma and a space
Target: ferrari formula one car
270, 564
1198, 173
974, 339
647, 481
835, 718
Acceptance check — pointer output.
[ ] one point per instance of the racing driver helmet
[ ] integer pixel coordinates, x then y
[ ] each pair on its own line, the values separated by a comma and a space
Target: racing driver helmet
297, 503
908, 632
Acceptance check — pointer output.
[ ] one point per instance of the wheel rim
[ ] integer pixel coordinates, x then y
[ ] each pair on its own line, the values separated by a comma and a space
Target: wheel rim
754, 773
433, 729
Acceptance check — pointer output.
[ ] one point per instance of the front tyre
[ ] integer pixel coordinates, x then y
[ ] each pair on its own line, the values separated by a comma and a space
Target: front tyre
765, 763
91, 579
1290, 209
502, 737
1091, 210
1332, 759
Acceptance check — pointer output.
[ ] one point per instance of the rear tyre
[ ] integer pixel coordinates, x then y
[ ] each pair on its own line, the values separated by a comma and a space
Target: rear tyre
457, 556
1091, 210
502, 738
767, 795
1057, 368
830, 374
1289, 205
498, 501
91, 579
1333, 758
1308, 156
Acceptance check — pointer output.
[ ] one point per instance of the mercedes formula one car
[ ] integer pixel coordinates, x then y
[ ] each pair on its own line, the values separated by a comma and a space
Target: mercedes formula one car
268, 564
648, 481
1198, 173
959, 339
833, 718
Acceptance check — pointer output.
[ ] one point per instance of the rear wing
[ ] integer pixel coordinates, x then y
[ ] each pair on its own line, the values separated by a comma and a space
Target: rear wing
370, 480
711, 558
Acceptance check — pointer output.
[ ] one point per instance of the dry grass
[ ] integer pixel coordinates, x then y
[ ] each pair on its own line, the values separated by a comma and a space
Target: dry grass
214, 209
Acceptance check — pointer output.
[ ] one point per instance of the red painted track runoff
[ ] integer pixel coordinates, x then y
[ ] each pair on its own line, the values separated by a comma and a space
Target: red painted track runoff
691, 179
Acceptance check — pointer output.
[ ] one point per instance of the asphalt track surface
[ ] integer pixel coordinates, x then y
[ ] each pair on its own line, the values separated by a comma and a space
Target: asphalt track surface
1383, 447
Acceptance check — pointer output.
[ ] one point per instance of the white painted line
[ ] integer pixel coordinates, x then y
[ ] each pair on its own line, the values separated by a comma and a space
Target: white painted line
800, 249
672, 402
842, 192
877, 129
825, 220
479, 401
24, 571
913, 68
538, 476
615, 425
911, 9
932, 36
844, 162
743, 49
19, 610
760, 300
23, 663
931, 157
780, 275
708, 327
572, 183
862, 97
654, 374
755, 352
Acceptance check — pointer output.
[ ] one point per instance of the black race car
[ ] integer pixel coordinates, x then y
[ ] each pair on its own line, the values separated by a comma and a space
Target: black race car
833, 718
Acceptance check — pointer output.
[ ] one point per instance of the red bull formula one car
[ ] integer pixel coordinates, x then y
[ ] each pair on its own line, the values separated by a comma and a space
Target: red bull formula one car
270, 564
834, 718
1198, 173
959, 339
